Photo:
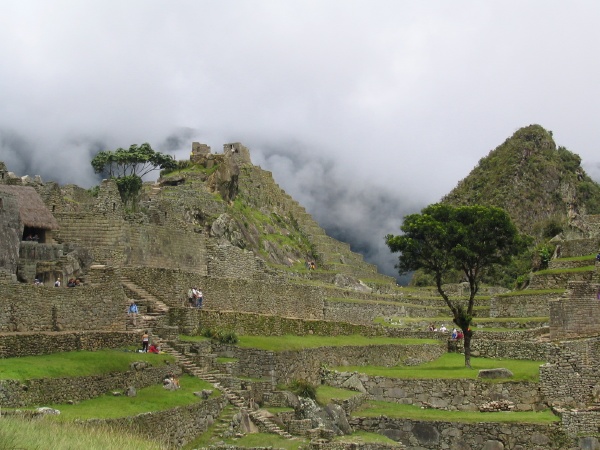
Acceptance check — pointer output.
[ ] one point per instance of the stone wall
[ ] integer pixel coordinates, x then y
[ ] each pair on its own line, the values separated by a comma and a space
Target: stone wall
579, 247
175, 427
44, 391
46, 308
451, 395
577, 314
285, 366
582, 423
11, 231
229, 294
526, 305
514, 349
421, 435
228, 261
44, 343
558, 280
570, 378
365, 312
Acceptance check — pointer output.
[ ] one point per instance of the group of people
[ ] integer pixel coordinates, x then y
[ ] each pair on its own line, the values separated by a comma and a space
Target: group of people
32, 237
455, 335
195, 297
73, 282
310, 265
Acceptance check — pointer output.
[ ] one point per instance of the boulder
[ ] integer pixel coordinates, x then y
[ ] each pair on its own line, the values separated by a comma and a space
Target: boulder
495, 373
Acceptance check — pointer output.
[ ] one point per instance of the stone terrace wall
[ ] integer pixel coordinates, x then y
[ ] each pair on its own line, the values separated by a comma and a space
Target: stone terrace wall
515, 349
465, 436
577, 314
44, 308
229, 294
165, 246
559, 280
366, 312
285, 366
176, 427
582, 423
579, 247
227, 261
535, 305
571, 376
452, 395
44, 391
31, 344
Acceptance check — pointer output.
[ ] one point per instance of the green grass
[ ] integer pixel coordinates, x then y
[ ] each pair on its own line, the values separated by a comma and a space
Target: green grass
527, 292
290, 342
152, 398
452, 366
19, 433
570, 270
265, 440
398, 410
224, 359
75, 364
591, 257
326, 393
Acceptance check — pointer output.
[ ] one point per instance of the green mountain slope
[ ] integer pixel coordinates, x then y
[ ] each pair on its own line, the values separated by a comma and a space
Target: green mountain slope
538, 183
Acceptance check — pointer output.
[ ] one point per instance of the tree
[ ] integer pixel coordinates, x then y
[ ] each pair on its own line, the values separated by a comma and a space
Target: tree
444, 238
129, 166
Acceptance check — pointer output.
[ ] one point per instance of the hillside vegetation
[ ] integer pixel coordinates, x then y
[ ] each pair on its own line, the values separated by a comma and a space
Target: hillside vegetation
535, 181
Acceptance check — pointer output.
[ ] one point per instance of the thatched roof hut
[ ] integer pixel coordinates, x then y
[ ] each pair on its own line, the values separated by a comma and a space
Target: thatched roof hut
32, 210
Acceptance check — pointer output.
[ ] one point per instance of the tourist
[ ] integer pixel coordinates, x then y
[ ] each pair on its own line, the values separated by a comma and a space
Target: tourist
459, 335
57, 283
454, 334
191, 299
199, 299
443, 329
71, 282
598, 257
145, 340
133, 312
153, 349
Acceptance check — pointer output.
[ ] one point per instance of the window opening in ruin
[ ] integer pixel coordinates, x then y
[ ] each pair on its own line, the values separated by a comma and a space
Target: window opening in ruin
32, 234
114, 206
1, 204
53, 208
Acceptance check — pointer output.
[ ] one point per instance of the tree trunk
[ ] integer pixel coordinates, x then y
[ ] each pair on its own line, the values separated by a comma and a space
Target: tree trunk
468, 334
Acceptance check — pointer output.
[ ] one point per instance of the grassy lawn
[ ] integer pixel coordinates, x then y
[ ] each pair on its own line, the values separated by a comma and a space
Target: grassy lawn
152, 398
398, 410
526, 292
44, 434
262, 440
76, 364
290, 342
366, 437
326, 393
571, 270
452, 366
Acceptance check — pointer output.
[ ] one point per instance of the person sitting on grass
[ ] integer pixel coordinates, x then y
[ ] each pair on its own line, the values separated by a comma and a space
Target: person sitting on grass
153, 349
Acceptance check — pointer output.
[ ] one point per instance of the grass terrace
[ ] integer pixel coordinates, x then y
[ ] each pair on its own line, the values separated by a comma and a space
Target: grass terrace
404, 411
325, 394
76, 364
452, 366
152, 398
18, 433
570, 270
292, 342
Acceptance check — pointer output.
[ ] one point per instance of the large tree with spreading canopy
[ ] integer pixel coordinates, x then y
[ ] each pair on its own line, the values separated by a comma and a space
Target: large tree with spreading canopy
443, 239
128, 166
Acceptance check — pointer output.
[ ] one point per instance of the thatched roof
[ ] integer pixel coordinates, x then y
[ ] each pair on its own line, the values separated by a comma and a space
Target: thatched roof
32, 210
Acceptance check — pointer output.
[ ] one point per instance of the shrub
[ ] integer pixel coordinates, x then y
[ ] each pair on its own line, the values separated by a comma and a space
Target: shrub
303, 388
224, 337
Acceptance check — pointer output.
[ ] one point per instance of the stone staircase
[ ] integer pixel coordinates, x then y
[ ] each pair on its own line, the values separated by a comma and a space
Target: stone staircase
214, 378
152, 310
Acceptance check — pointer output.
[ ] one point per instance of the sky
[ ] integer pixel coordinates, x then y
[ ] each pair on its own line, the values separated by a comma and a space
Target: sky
364, 111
